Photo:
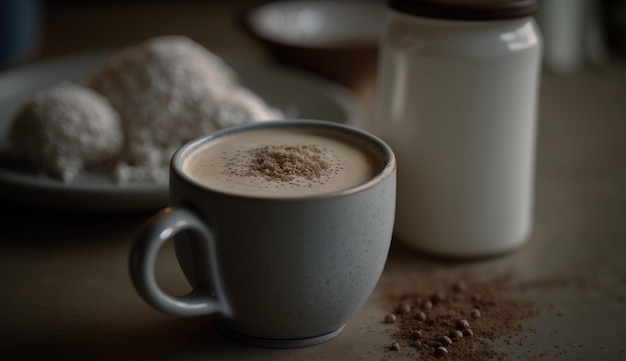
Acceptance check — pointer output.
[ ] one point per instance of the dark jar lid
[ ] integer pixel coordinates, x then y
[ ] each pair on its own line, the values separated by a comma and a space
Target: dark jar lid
476, 10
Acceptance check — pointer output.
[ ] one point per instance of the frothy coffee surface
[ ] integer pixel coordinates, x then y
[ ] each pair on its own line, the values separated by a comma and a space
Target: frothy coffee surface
284, 162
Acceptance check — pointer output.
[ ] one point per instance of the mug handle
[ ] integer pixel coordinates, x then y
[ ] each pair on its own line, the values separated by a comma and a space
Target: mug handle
163, 226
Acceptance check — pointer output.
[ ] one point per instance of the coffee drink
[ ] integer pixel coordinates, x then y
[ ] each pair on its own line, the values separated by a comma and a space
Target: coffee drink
284, 162
282, 227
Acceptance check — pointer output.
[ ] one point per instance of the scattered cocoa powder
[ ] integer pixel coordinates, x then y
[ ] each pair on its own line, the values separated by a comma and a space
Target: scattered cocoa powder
287, 162
459, 320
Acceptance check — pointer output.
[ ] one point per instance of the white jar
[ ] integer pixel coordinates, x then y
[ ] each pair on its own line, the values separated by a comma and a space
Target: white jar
456, 100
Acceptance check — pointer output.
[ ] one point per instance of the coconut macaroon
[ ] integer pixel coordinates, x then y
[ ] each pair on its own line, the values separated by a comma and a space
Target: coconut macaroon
169, 90
64, 127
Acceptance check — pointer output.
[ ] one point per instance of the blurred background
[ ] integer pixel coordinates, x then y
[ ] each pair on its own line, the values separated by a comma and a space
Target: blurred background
578, 34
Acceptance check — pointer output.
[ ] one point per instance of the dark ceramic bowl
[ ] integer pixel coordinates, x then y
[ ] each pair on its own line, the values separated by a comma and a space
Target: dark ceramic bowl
338, 39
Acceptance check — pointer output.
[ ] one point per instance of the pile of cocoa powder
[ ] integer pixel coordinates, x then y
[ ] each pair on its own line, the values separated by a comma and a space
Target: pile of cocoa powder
287, 162
458, 320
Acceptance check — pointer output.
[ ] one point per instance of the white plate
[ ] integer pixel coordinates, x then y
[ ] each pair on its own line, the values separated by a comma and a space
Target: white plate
312, 97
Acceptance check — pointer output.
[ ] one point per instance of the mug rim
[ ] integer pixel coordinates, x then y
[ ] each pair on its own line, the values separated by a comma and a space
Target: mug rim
389, 158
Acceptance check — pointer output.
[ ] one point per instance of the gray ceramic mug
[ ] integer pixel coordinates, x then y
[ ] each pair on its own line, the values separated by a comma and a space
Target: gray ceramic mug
275, 272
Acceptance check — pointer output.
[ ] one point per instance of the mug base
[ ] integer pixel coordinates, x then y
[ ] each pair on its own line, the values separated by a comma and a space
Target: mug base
278, 342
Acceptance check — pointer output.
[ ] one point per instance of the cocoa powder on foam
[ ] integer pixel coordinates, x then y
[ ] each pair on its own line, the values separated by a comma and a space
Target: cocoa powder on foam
283, 163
